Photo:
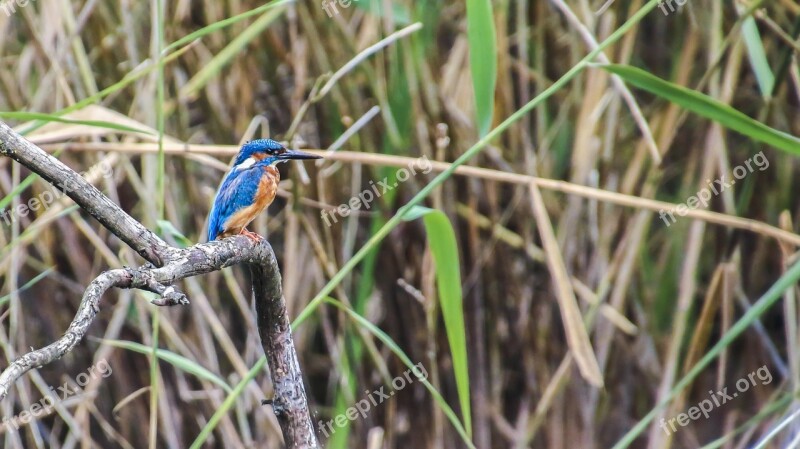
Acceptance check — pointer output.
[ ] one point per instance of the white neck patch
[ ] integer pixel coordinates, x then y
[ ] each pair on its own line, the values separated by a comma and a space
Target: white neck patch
249, 162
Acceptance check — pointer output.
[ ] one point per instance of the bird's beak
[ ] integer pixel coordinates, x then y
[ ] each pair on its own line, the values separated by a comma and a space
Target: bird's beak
294, 154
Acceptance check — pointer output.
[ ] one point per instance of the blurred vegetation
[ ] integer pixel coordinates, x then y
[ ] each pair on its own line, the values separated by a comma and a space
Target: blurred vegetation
480, 286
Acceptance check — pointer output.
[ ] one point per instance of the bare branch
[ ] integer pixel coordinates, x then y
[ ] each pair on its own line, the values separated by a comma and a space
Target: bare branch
168, 265
77, 329
276, 337
116, 220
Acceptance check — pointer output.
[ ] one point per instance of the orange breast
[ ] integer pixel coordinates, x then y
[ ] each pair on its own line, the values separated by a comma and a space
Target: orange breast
265, 194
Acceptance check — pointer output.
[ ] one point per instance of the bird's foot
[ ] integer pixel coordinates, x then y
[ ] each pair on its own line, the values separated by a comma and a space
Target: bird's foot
251, 235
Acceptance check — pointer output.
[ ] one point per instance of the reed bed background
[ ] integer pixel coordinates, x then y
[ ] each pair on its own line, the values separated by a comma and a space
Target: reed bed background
549, 302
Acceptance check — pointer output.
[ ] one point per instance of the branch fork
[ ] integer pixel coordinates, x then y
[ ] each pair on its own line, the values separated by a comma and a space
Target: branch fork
165, 266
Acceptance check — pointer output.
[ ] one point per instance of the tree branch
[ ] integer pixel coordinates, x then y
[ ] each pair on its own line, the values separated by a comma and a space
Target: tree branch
168, 265
276, 337
109, 214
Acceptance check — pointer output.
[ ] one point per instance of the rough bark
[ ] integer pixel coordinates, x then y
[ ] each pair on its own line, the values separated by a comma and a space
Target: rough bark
167, 265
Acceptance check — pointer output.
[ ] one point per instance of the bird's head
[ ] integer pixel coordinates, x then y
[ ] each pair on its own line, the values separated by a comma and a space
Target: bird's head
267, 151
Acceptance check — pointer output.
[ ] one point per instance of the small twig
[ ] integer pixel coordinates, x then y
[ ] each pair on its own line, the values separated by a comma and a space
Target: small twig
351, 131
364, 54
169, 296
775, 28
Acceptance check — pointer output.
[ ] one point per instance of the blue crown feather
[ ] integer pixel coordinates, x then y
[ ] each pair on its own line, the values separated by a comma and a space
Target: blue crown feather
267, 146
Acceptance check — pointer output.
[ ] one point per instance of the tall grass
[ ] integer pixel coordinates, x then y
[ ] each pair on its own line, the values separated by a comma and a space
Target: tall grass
501, 287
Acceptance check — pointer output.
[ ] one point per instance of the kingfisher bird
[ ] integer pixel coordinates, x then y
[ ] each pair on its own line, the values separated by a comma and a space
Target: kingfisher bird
249, 187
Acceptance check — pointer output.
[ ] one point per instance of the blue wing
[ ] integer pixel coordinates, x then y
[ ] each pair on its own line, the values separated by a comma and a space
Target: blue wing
237, 190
